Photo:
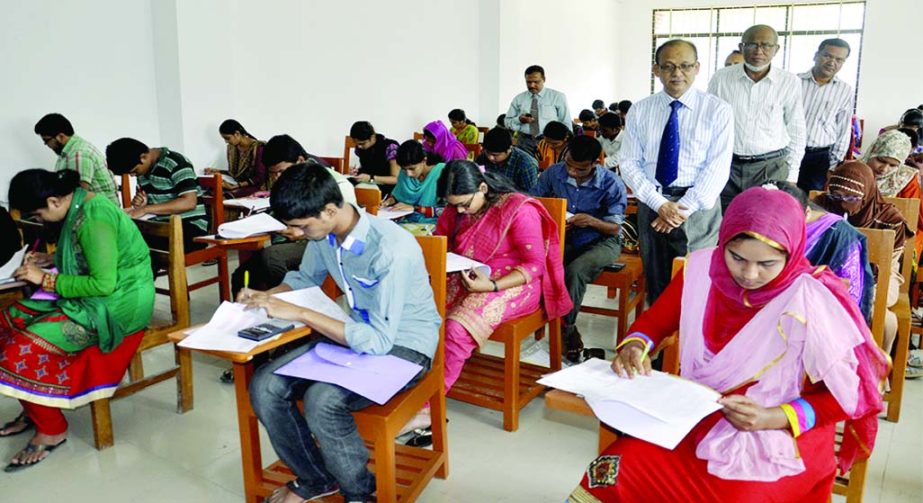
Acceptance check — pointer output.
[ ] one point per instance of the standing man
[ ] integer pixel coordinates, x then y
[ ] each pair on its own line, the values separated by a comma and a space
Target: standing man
532, 110
676, 157
828, 108
77, 154
769, 139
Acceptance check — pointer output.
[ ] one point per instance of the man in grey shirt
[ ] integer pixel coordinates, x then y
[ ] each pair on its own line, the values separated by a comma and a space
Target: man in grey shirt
380, 269
532, 110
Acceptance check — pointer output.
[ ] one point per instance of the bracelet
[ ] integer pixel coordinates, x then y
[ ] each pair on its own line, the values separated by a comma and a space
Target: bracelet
801, 416
645, 341
496, 288
792, 419
49, 281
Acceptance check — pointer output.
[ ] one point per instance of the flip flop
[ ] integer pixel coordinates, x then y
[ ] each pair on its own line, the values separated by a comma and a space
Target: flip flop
22, 418
422, 437
30, 449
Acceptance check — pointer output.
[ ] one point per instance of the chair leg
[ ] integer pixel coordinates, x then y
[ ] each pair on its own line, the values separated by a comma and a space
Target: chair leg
624, 293
136, 368
102, 423
898, 374
856, 482
224, 284
554, 343
184, 390
440, 444
511, 385
385, 467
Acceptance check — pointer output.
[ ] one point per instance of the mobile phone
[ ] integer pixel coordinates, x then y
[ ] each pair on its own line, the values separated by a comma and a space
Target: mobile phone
264, 331
616, 267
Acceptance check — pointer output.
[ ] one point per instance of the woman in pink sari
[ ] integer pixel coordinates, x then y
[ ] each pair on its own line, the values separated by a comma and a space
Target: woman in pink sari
437, 138
786, 346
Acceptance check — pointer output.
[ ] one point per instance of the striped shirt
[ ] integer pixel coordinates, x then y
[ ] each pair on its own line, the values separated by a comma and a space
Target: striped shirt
552, 106
171, 176
84, 158
770, 112
827, 114
519, 168
706, 140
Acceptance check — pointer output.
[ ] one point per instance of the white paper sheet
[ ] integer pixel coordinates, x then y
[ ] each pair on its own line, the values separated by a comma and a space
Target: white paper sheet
660, 408
455, 263
393, 214
261, 223
6, 272
568, 215
315, 299
220, 333
252, 204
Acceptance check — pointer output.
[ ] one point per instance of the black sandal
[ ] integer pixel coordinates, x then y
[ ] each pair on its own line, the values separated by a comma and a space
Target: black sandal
30, 449
21, 418
573, 347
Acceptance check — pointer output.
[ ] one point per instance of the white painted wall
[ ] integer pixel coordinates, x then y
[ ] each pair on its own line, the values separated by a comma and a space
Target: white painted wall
91, 61
889, 80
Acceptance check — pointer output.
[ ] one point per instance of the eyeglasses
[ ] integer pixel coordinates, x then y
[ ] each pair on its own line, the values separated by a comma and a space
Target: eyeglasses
843, 198
669, 68
831, 57
752, 46
465, 205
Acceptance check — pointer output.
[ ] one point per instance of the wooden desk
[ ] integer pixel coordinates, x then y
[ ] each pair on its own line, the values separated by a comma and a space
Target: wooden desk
244, 246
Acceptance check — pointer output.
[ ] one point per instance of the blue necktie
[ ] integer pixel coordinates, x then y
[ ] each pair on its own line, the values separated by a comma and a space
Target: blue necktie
668, 158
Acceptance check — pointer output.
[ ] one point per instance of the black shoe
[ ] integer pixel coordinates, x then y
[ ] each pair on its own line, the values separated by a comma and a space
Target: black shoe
227, 377
573, 346
422, 437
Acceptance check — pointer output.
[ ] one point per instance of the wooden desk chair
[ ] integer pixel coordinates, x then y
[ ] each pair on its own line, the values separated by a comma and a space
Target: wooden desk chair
591, 134
417, 136
910, 210
402, 472
474, 150
481, 132
368, 198
348, 145
338, 164
630, 287
156, 334
506, 384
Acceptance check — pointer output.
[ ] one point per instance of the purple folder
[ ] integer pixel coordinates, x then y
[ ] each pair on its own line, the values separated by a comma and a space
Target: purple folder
376, 377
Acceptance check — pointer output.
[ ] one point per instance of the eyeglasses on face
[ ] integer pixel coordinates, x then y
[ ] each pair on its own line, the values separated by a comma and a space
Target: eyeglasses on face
669, 68
763, 46
467, 204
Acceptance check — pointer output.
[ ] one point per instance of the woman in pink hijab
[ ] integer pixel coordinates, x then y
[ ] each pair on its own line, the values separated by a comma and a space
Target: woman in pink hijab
785, 345
438, 139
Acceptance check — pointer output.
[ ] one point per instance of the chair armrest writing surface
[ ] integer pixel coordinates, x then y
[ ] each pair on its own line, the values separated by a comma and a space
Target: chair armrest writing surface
285, 338
229, 242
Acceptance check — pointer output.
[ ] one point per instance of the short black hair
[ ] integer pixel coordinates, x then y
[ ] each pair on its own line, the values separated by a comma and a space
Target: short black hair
457, 115
535, 69
610, 120
835, 42
501, 121
673, 42
912, 117
624, 106
124, 154
586, 115
303, 191
584, 148
30, 189
614, 106
498, 140
794, 191
411, 152
361, 131
282, 148
556, 130
598, 104
52, 125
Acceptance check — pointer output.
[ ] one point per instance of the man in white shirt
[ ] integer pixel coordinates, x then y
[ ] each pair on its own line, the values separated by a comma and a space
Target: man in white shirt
828, 108
676, 156
532, 110
610, 137
769, 139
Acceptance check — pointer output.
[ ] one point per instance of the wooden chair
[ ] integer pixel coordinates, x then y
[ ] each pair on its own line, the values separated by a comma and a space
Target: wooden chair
629, 285
402, 472
338, 164
910, 210
591, 134
474, 150
155, 335
481, 132
348, 145
417, 136
506, 384
368, 198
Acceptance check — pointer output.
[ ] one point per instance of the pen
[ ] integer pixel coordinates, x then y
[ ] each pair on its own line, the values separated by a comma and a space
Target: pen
35, 244
247, 279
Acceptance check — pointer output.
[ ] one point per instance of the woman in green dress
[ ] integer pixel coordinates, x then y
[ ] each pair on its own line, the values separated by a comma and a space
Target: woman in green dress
416, 184
74, 345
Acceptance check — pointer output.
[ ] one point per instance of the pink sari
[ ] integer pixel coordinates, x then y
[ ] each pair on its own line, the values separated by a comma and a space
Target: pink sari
516, 233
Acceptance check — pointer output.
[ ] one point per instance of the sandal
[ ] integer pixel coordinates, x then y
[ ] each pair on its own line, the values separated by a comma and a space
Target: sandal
573, 346
916, 358
32, 449
422, 437
913, 373
20, 419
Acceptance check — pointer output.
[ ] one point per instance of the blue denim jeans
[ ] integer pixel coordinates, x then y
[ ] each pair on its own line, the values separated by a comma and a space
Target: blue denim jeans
339, 456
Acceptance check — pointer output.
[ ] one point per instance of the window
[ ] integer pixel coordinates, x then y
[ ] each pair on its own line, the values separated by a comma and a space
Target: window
801, 27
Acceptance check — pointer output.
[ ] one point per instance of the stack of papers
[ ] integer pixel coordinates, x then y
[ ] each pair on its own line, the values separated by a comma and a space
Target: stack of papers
455, 263
261, 223
6, 272
316, 300
392, 214
251, 204
659, 408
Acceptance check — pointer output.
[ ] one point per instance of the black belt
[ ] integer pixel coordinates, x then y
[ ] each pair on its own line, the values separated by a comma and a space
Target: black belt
761, 157
814, 150
674, 191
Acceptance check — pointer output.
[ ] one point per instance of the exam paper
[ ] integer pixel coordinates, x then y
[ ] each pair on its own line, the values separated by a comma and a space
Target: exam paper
220, 333
316, 300
261, 223
6, 272
252, 204
455, 263
392, 214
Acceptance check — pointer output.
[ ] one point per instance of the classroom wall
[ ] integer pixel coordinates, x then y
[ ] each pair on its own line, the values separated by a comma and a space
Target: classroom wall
73, 58
890, 79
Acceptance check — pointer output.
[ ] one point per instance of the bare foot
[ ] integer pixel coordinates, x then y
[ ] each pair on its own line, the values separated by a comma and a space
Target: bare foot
29, 456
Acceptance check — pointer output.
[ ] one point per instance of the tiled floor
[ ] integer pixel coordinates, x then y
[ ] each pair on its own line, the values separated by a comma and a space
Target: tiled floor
162, 456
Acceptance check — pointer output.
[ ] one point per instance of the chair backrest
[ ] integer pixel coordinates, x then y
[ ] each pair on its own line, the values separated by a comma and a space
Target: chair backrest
481, 132
337, 163
126, 190
880, 243
557, 207
435, 250
591, 134
348, 145
669, 347
173, 260
474, 150
417, 136
814, 193
368, 198
910, 210
213, 197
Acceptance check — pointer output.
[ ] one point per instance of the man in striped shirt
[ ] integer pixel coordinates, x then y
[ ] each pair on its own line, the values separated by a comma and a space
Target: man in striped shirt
167, 185
769, 138
828, 108
76, 154
676, 170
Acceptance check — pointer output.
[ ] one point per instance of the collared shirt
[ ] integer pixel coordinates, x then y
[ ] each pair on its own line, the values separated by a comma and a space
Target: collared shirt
171, 176
552, 106
706, 141
828, 112
611, 148
520, 168
84, 158
769, 113
380, 268
603, 196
